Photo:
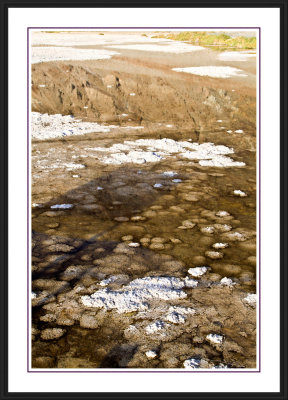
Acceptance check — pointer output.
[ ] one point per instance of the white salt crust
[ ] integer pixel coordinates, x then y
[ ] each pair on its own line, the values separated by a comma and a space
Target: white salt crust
45, 126
235, 56
136, 295
90, 38
166, 46
207, 154
51, 53
213, 71
251, 299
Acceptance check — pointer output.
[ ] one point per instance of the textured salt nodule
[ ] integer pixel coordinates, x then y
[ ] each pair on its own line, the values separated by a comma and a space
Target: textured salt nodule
175, 318
214, 338
197, 271
45, 126
227, 282
151, 354
33, 295
134, 297
251, 299
220, 245
190, 283
239, 193
208, 229
51, 53
212, 71
158, 185
192, 363
155, 327
62, 206
134, 244
176, 314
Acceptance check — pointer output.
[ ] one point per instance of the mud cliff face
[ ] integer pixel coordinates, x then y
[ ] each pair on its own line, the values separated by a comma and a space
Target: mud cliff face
105, 95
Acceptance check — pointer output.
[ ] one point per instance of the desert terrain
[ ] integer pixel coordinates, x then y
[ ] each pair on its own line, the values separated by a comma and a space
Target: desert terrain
143, 170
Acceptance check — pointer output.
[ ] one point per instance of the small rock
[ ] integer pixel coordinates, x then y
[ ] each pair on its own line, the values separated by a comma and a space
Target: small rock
89, 321
157, 246
127, 237
214, 255
52, 333
121, 219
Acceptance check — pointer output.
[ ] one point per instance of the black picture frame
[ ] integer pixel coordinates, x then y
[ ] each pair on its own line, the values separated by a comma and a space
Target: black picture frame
5, 6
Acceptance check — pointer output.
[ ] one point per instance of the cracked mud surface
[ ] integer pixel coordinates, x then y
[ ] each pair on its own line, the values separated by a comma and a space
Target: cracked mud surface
105, 236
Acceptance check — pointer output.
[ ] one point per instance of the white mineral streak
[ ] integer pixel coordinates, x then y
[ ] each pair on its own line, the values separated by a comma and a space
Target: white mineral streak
167, 47
251, 299
62, 206
198, 271
208, 154
239, 131
212, 71
45, 126
51, 53
170, 173
239, 193
155, 327
235, 56
136, 295
192, 363
214, 338
151, 354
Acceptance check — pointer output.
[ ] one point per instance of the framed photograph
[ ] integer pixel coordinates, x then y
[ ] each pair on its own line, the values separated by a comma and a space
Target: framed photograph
144, 200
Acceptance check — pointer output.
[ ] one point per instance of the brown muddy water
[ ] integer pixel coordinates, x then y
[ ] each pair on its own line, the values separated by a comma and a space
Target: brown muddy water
120, 224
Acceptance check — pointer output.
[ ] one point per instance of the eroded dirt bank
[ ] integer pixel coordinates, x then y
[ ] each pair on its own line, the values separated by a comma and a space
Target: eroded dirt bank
150, 265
